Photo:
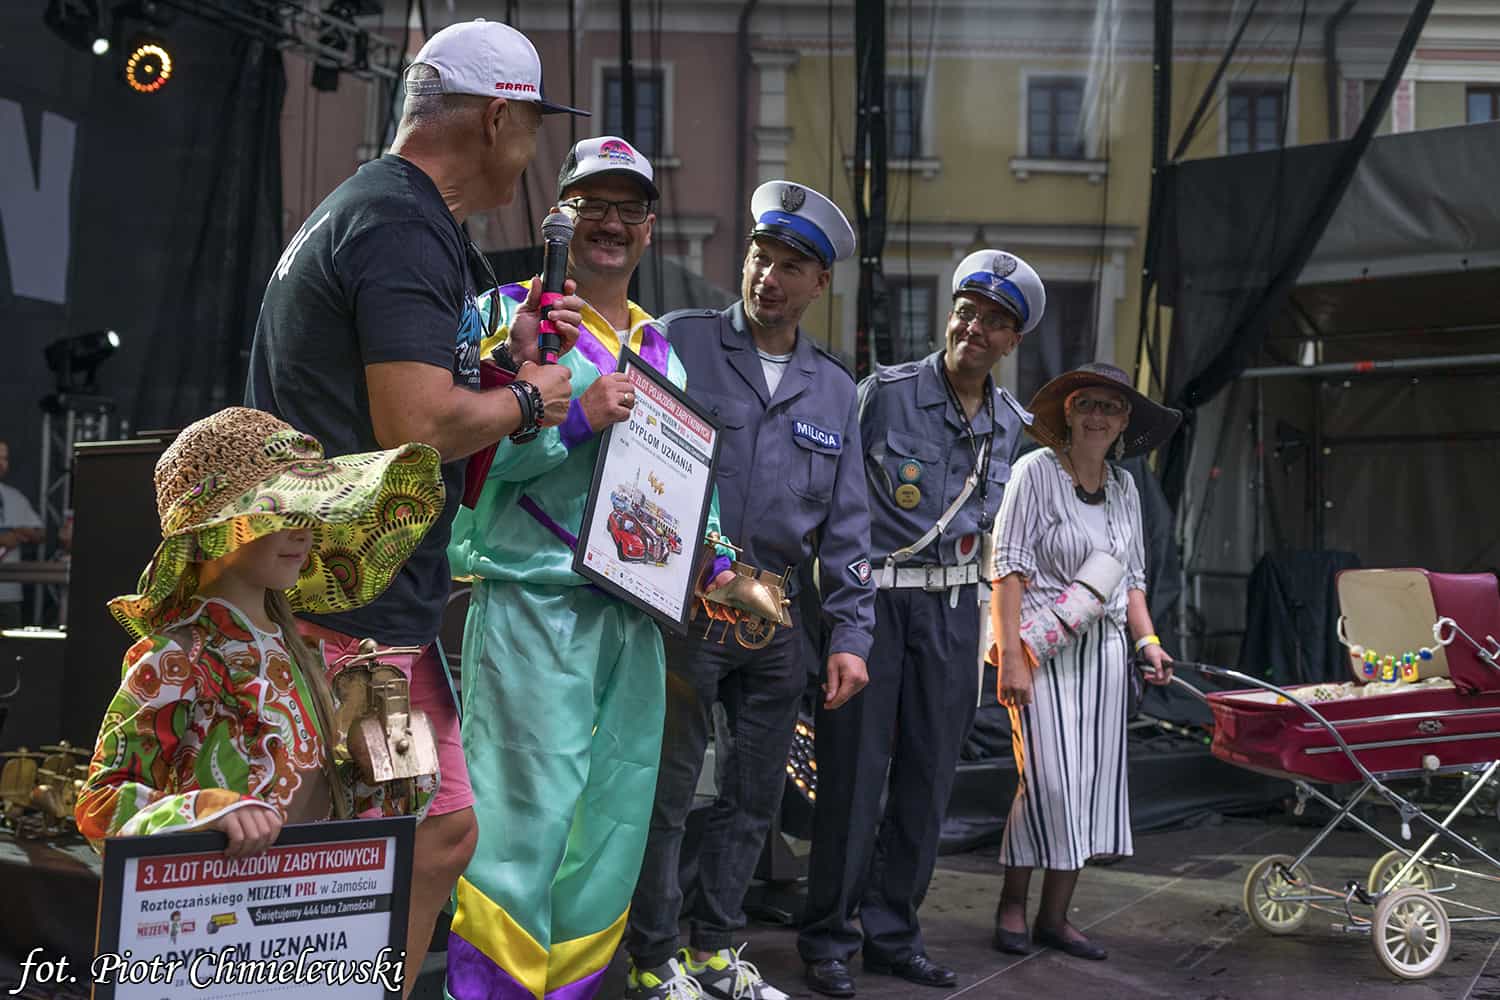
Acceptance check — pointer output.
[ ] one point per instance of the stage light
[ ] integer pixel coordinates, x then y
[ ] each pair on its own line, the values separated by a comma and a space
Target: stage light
100, 46
148, 67
801, 764
74, 361
80, 23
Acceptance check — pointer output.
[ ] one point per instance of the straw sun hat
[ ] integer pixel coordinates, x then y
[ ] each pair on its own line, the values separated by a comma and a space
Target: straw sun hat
242, 474
1151, 423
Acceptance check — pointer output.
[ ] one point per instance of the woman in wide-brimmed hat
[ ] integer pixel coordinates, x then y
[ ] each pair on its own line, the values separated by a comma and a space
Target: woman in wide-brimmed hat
224, 719
1071, 575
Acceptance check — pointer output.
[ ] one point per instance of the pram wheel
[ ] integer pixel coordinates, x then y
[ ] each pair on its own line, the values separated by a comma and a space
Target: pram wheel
1266, 892
1383, 874
1411, 933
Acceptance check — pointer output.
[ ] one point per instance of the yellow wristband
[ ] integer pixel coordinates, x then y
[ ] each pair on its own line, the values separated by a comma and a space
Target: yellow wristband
1147, 640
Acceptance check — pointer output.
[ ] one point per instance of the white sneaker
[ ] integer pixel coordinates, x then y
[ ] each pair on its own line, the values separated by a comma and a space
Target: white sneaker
727, 976
665, 982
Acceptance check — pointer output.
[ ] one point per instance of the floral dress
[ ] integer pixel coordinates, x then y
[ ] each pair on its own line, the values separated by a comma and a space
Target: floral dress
188, 738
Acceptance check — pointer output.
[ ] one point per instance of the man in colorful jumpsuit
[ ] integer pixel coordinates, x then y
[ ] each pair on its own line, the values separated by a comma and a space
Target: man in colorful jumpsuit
562, 685
939, 439
791, 486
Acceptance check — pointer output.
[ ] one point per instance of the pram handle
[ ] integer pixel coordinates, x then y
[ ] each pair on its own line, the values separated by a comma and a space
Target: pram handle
1145, 667
1213, 670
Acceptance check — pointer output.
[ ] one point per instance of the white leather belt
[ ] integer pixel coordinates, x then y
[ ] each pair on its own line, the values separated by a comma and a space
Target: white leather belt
927, 577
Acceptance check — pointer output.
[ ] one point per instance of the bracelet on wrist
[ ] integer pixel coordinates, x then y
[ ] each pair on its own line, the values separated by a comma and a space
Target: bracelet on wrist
1147, 640
529, 398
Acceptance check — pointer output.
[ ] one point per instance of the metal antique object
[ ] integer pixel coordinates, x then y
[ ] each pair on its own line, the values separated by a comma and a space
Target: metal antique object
39, 789
758, 595
391, 741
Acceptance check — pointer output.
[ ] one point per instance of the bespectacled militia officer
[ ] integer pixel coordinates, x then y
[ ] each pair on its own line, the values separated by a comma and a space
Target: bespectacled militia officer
791, 486
939, 438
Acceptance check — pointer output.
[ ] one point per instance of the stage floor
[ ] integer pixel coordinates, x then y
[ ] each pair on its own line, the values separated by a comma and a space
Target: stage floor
1171, 919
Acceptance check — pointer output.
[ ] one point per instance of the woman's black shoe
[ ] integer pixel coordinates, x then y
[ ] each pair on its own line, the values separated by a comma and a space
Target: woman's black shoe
1013, 942
1078, 949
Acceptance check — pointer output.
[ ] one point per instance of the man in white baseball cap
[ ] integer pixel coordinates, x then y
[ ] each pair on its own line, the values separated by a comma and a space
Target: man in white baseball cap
369, 336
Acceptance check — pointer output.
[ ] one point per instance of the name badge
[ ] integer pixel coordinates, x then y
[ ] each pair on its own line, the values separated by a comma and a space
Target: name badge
830, 440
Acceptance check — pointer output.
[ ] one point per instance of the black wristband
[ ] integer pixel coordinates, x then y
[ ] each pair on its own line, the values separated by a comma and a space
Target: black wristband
529, 397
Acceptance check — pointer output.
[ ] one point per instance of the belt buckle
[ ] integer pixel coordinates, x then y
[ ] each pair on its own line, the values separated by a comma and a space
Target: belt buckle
936, 578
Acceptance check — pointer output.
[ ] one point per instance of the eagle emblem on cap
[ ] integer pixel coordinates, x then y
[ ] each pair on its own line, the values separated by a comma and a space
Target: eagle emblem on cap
792, 198
1003, 266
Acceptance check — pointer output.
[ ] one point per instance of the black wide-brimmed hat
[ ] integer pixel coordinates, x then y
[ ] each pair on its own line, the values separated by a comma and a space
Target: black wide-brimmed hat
1151, 423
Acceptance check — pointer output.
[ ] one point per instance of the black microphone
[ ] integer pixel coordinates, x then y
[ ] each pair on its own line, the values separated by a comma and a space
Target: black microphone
557, 234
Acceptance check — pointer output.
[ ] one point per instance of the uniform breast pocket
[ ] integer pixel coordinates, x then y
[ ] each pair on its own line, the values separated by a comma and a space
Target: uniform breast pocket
815, 462
913, 470
735, 446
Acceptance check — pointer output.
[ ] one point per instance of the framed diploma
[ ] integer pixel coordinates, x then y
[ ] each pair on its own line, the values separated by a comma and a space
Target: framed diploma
320, 914
647, 510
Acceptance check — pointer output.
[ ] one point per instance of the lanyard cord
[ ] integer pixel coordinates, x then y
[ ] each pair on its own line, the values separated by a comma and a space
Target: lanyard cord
982, 458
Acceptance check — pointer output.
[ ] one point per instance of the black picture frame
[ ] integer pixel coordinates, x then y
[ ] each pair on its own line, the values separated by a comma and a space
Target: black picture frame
119, 850
629, 360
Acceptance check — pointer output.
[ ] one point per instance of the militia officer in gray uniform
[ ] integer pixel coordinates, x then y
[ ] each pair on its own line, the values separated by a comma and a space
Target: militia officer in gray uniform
939, 438
791, 486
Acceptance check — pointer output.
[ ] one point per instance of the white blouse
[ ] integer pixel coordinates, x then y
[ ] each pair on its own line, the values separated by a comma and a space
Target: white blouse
1042, 532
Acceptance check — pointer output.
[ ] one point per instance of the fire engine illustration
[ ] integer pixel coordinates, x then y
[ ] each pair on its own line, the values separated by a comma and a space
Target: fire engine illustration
642, 530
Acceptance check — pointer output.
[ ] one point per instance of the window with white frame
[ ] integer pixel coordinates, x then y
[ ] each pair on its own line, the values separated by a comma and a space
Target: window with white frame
650, 109
1256, 114
1054, 118
913, 303
1482, 104
903, 117
1063, 340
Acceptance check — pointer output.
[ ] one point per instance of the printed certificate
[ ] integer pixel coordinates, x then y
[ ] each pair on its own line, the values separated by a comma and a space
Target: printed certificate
321, 914
643, 528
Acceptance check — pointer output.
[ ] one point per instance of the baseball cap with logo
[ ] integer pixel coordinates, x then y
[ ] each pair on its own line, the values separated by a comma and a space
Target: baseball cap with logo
607, 154
488, 59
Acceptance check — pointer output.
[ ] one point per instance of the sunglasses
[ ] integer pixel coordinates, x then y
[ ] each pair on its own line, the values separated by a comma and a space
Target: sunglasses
632, 213
1103, 407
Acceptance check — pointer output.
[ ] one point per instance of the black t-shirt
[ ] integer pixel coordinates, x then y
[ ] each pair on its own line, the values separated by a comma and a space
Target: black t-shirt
377, 273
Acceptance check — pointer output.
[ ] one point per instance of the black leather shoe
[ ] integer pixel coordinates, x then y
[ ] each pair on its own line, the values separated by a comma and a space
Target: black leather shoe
918, 969
1078, 949
830, 977
1013, 942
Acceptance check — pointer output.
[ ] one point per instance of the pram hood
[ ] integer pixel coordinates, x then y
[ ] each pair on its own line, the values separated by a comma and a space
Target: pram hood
1393, 611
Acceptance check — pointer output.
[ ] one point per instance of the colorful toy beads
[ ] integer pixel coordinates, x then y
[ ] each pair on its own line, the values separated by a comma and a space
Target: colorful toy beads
1389, 666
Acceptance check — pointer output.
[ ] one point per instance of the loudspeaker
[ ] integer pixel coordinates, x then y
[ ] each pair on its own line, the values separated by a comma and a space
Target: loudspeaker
115, 531
31, 688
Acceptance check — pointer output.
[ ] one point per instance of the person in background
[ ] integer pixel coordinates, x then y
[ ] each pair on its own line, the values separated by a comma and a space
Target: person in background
939, 439
1067, 504
19, 525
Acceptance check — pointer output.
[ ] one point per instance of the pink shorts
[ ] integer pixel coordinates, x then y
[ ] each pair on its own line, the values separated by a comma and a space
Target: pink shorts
429, 692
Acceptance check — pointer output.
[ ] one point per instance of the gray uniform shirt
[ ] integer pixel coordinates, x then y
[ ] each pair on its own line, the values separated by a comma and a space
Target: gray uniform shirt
914, 436
790, 474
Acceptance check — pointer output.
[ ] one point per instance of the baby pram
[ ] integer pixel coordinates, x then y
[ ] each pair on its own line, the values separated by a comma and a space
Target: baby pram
1442, 719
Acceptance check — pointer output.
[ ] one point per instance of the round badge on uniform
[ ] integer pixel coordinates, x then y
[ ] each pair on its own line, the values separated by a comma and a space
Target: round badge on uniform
907, 496
910, 471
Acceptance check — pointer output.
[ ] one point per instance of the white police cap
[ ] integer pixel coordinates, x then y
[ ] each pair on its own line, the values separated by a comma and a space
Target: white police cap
1006, 280
803, 219
607, 154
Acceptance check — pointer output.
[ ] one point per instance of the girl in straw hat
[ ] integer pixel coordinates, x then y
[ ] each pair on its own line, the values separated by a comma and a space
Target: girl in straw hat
224, 719
1065, 507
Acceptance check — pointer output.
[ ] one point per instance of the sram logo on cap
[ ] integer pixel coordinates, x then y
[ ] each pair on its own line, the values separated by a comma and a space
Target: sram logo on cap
525, 88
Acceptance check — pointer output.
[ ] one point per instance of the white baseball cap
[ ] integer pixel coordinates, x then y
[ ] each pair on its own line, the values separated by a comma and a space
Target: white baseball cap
488, 59
1005, 280
606, 154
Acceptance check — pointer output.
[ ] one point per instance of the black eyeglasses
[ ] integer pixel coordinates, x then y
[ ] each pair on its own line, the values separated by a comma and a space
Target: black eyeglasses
1103, 407
632, 213
489, 272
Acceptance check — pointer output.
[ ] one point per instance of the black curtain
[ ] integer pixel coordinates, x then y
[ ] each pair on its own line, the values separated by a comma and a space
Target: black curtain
162, 218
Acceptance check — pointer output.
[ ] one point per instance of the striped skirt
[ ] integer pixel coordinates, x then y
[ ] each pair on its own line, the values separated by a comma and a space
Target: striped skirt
1072, 802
